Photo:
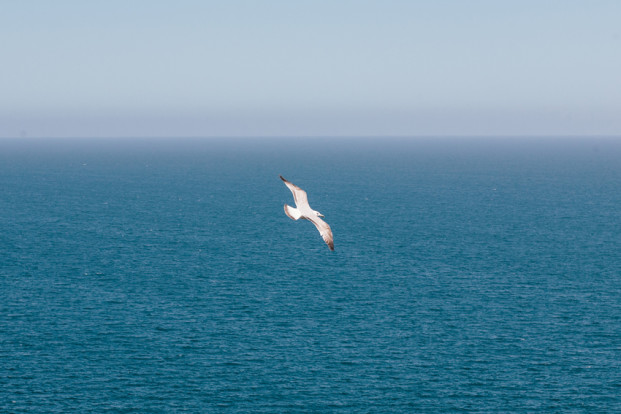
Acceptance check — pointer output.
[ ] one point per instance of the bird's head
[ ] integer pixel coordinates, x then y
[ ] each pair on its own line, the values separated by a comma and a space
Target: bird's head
319, 214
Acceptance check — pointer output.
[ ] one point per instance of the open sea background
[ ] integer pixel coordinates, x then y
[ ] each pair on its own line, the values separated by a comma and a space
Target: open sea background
470, 275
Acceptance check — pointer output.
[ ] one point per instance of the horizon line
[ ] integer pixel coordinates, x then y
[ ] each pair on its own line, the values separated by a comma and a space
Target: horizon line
321, 136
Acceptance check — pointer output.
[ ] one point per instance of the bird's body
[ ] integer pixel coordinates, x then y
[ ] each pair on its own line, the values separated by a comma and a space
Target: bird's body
304, 211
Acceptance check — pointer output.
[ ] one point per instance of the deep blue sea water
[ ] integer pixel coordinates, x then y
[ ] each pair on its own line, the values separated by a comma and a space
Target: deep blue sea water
470, 275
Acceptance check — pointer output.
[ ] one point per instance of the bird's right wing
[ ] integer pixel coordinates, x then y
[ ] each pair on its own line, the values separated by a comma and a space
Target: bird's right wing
324, 230
299, 195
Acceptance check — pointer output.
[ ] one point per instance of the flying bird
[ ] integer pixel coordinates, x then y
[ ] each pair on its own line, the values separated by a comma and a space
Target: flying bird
304, 211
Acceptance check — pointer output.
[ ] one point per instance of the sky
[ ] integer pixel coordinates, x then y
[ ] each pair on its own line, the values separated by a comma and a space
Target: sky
309, 68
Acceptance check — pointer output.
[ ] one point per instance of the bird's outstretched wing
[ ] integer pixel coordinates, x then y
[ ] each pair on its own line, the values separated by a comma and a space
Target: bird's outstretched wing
324, 230
299, 195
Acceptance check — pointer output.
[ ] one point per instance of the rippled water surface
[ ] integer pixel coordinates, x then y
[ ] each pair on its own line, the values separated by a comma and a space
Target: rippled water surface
164, 276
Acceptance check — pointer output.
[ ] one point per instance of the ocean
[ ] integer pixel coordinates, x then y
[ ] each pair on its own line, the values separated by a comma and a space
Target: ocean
162, 275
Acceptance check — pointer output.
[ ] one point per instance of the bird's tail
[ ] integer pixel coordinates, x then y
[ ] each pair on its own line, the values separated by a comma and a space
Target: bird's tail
293, 213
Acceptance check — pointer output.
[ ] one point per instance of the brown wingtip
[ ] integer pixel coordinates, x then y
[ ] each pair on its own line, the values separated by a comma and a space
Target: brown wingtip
282, 178
331, 246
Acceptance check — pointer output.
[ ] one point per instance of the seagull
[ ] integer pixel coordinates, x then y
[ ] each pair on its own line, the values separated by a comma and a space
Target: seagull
304, 211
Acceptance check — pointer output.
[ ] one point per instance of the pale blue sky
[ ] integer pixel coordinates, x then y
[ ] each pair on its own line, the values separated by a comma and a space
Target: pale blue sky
273, 68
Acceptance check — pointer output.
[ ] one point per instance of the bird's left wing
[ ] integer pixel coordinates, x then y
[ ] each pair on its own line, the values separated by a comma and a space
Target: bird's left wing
324, 230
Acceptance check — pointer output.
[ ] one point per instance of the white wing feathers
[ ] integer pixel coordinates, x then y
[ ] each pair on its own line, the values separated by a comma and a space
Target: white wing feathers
304, 211
324, 230
299, 195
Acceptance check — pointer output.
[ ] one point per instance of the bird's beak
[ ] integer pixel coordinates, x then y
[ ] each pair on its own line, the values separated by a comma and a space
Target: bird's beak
321, 215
